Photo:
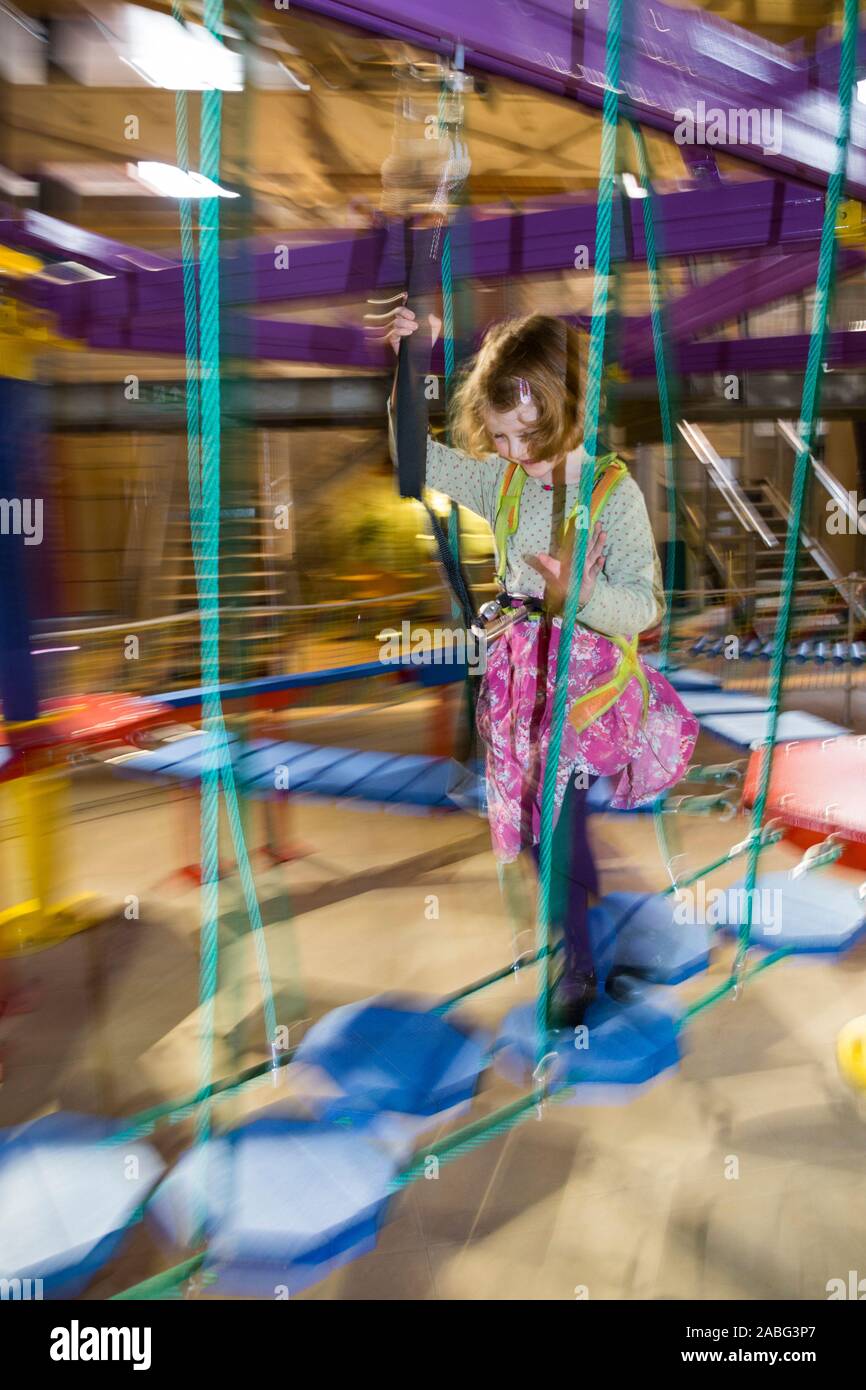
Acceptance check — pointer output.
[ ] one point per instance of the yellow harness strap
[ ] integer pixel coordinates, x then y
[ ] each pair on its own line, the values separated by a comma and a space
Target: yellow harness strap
610, 472
594, 703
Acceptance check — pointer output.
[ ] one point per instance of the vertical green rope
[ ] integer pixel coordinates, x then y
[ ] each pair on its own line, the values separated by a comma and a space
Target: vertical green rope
808, 412
209, 213
449, 350
448, 340
202, 343
205, 545
662, 367
607, 170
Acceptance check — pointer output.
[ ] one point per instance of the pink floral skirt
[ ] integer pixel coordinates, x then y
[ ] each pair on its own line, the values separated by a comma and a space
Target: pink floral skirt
649, 749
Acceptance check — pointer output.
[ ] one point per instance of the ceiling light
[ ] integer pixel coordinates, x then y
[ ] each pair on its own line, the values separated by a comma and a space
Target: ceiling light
632, 187
178, 57
171, 182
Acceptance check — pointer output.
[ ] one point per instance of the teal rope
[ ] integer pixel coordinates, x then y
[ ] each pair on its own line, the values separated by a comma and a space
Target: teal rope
219, 751
203, 459
808, 412
662, 367
161, 1285
448, 348
591, 422
447, 310
209, 213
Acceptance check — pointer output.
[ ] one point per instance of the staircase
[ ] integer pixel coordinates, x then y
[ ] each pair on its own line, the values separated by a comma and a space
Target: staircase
249, 578
754, 564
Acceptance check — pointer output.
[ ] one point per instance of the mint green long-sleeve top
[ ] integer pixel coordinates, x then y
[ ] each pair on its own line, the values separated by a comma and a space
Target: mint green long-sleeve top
628, 595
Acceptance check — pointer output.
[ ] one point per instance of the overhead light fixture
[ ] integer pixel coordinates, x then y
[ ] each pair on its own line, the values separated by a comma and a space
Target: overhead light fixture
15, 186
171, 182
178, 57
70, 273
296, 81
861, 91
632, 187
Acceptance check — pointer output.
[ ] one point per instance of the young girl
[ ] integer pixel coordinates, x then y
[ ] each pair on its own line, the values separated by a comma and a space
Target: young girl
517, 462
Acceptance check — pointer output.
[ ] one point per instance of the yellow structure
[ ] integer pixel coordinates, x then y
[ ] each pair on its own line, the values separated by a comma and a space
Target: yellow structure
851, 1052
851, 222
38, 794
38, 801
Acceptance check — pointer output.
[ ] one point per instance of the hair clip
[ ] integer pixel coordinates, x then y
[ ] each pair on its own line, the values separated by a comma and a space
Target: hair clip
525, 393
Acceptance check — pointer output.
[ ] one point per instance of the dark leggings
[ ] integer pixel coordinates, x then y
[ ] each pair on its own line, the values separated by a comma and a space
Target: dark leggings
573, 878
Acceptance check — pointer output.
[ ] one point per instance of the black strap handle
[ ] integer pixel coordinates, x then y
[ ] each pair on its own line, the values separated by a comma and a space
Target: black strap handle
412, 412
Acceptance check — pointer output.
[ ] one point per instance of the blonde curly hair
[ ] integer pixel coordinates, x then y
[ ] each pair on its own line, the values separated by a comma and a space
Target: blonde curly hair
544, 354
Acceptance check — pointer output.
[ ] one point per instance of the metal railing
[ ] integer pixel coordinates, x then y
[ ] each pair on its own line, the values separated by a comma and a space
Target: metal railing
155, 654
745, 512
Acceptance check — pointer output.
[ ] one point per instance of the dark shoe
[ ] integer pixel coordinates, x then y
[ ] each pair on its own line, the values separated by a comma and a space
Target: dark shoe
622, 985
573, 993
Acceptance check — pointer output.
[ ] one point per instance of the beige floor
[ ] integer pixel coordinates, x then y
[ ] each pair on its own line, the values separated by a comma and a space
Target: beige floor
630, 1201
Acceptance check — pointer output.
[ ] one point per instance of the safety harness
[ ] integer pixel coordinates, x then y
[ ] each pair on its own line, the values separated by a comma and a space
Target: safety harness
610, 471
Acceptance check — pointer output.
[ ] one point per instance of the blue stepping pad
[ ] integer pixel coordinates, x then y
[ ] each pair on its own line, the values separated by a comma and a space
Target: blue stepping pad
467, 788
750, 730
599, 798
682, 679
179, 758
385, 1054
819, 913
649, 941
620, 1047
66, 1199
285, 1201
307, 769
703, 702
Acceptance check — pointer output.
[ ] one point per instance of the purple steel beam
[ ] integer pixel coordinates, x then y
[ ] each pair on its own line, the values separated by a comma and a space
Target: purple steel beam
822, 67
674, 61
344, 346
749, 286
347, 347
725, 219
730, 218
788, 353
61, 241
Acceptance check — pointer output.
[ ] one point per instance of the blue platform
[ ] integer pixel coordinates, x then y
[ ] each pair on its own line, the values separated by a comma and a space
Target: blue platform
819, 913
285, 1202
750, 730
703, 702
311, 770
267, 767
387, 1054
66, 1199
682, 679
651, 943
601, 792
429, 669
624, 1047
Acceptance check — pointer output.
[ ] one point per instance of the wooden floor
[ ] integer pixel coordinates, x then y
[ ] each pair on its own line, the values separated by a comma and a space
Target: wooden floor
615, 1202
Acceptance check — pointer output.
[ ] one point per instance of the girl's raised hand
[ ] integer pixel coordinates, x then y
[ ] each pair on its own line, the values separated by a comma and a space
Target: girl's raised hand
556, 582
400, 323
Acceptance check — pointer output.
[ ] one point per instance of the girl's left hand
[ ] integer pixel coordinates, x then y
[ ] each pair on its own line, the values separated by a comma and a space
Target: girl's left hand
556, 583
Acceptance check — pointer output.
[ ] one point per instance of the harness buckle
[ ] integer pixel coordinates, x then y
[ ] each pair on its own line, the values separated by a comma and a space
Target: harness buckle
498, 615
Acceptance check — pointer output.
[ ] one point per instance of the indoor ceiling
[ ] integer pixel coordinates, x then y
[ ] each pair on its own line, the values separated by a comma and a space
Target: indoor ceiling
310, 150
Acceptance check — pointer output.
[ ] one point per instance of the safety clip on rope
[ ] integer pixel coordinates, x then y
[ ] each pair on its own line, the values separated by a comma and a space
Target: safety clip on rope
540, 1076
739, 974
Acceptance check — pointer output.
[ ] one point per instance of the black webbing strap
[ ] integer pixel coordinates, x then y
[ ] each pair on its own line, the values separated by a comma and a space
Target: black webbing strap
412, 414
